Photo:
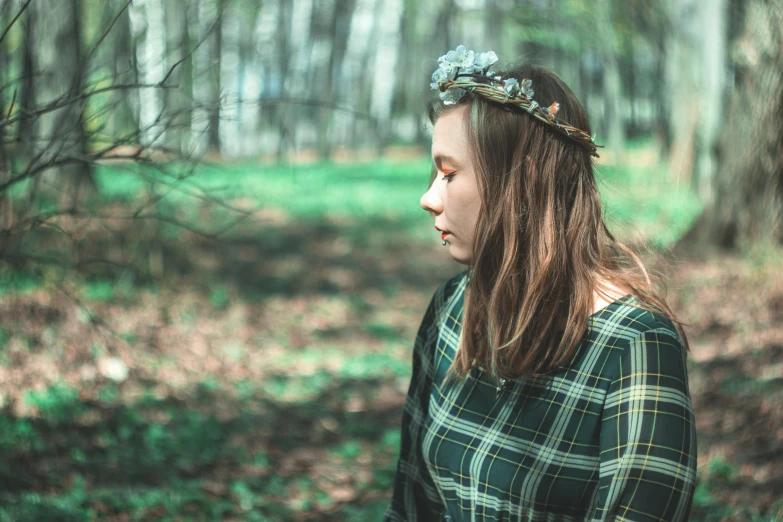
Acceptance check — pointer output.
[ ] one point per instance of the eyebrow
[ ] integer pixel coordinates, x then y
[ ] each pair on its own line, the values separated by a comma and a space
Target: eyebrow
440, 158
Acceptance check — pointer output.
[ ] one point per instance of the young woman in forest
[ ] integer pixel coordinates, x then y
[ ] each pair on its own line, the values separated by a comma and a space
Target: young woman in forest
549, 379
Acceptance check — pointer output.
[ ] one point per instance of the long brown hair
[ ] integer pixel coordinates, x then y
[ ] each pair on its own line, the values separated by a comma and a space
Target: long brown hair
541, 247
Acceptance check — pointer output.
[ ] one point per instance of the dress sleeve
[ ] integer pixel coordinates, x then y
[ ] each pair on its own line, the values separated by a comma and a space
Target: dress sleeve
648, 438
415, 497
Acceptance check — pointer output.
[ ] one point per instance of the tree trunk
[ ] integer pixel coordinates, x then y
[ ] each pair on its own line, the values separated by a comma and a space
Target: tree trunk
216, 44
683, 86
386, 47
177, 47
230, 81
58, 75
661, 98
284, 44
748, 185
629, 69
121, 120
252, 70
205, 75
713, 72
26, 96
612, 86
146, 21
361, 58
323, 28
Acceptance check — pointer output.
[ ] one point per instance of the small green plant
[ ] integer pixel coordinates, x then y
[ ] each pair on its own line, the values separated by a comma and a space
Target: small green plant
99, 291
210, 384
58, 403
18, 281
218, 298
108, 393
348, 450
382, 331
245, 495
720, 469
19, 435
130, 337
375, 364
391, 439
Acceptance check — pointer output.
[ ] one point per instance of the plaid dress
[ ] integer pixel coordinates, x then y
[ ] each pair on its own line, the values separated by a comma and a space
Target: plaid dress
609, 437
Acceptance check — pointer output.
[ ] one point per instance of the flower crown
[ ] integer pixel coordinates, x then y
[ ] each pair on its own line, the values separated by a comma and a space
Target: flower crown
462, 70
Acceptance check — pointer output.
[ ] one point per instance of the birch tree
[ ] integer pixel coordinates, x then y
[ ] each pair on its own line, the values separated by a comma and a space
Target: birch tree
230, 82
57, 74
682, 85
146, 21
204, 122
612, 93
747, 207
177, 102
385, 68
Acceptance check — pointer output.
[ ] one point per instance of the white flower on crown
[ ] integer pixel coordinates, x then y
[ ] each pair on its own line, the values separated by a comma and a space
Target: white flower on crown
460, 57
452, 96
511, 86
475, 74
486, 60
437, 76
464, 61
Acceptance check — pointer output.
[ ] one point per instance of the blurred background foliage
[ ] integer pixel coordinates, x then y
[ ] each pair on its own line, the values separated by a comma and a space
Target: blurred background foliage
213, 263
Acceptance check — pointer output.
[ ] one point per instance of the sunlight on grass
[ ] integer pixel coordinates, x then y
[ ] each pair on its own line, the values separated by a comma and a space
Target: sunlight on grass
639, 201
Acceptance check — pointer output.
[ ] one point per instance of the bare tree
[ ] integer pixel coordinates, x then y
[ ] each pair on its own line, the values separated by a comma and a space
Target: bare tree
747, 208
56, 139
612, 85
58, 155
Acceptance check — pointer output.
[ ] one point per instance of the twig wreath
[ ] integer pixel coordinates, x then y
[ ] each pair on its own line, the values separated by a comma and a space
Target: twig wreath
462, 70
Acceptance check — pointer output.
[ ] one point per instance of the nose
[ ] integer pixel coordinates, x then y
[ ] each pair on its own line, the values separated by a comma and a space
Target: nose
431, 200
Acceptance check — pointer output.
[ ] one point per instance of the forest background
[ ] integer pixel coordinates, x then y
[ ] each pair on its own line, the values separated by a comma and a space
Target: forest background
213, 263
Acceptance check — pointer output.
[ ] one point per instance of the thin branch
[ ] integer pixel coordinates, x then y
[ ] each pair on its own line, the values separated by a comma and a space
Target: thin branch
2, 37
206, 35
105, 33
11, 106
64, 101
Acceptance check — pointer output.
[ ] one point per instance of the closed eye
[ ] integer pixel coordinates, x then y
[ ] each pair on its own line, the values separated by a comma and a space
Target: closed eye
448, 176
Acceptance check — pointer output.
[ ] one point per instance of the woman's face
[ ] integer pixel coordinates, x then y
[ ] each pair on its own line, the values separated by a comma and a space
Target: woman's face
453, 198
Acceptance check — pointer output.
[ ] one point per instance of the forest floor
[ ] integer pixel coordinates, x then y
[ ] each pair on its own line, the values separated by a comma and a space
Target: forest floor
262, 377
179, 399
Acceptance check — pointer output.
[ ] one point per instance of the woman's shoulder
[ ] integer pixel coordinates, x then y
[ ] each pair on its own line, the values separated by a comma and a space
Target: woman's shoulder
638, 344
632, 324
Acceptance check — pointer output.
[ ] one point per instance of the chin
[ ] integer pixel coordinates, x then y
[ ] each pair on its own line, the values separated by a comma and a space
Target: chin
459, 256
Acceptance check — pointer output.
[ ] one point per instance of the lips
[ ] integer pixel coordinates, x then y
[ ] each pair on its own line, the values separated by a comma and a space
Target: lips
443, 235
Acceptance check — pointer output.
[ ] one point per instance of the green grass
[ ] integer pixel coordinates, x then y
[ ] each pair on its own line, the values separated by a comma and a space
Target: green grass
305, 192
639, 200
18, 281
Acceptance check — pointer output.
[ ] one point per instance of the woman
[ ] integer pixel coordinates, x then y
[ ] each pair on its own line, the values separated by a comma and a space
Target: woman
549, 379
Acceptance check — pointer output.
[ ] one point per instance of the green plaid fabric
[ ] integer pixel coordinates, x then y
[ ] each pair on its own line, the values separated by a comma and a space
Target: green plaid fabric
609, 437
